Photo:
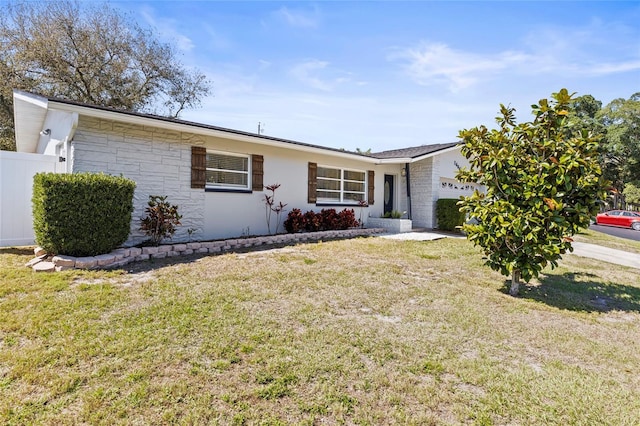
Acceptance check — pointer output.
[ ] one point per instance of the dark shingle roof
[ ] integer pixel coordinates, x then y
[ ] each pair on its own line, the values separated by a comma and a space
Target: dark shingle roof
199, 125
413, 152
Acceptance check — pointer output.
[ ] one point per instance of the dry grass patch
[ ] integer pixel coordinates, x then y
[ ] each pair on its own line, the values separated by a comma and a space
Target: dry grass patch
365, 331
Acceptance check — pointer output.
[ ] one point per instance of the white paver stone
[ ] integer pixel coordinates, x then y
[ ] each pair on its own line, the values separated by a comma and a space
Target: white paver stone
44, 267
62, 260
86, 262
149, 250
105, 259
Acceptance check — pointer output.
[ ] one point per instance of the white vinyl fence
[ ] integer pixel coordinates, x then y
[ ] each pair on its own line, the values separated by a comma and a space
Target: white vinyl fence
16, 184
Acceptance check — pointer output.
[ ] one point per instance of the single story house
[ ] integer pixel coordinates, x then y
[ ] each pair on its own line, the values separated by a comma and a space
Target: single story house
217, 176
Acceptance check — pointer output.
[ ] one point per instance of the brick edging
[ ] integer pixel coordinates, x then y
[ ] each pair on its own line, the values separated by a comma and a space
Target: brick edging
123, 256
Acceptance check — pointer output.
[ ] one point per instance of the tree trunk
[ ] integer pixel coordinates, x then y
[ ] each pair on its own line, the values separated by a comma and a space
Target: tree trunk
515, 282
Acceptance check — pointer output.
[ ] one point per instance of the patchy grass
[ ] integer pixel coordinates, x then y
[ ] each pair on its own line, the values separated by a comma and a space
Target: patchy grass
594, 237
366, 331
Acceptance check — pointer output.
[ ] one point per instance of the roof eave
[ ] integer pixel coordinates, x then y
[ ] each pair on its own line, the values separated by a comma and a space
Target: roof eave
433, 154
186, 127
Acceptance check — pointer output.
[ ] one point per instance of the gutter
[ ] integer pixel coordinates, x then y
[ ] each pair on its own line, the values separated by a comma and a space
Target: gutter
407, 170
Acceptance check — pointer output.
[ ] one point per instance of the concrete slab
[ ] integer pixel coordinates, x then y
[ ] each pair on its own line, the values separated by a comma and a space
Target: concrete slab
418, 236
617, 257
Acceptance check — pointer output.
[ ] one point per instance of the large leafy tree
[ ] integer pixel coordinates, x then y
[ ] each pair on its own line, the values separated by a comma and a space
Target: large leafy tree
621, 118
90, 53
543, 182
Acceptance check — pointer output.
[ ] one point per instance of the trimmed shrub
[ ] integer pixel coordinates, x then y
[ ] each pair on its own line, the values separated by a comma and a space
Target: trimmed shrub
81, 214
449, 215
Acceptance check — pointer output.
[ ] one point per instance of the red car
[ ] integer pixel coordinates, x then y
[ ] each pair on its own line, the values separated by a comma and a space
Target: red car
622, 218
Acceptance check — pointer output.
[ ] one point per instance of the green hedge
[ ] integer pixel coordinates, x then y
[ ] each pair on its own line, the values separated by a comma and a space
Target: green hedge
448, 214
81, 214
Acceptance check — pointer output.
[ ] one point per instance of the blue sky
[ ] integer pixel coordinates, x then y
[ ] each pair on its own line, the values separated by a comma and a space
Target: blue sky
392, 74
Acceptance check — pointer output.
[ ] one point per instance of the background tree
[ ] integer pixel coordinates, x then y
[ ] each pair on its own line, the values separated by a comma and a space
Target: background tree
583, 115
621, 144
632, 194
543, 182
89, 53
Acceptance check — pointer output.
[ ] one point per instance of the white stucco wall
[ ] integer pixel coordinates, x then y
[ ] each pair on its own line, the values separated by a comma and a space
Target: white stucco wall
159, 161
232, 214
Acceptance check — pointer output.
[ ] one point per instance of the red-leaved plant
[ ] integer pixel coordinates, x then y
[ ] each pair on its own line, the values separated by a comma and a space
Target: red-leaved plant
272, 207
161, 219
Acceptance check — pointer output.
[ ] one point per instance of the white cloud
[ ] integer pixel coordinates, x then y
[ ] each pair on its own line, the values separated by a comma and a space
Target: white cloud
215, 40
609, 68
299, 18
307, 72
167, 28
562, 53
437, 63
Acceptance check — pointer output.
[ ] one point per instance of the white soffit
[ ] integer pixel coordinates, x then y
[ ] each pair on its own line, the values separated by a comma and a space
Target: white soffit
29, 113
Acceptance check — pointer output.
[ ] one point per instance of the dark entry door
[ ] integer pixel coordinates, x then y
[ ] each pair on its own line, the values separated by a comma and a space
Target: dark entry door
388, 193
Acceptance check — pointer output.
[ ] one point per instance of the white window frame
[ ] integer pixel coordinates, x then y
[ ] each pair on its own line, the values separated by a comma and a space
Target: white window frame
228, 186
341, 191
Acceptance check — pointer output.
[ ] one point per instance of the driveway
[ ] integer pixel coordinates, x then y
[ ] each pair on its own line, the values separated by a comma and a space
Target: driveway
627, 233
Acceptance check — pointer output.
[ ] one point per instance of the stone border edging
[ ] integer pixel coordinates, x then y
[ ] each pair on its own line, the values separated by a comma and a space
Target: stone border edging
123, 256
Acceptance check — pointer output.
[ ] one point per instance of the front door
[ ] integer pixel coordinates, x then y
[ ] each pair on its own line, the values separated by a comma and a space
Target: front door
388, 193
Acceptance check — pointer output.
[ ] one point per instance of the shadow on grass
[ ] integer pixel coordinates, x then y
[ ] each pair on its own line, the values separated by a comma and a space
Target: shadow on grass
153, 264
581, 292
20, 251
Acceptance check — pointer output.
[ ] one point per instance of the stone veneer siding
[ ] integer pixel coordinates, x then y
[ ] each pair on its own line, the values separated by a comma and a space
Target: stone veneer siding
158, 160
424, 192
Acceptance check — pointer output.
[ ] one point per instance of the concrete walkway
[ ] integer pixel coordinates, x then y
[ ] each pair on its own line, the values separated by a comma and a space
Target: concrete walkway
618, 257
593, 251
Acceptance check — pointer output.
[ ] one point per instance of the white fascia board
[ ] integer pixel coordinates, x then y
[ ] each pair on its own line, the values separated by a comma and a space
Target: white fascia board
183, 127
36, 100
398, 160
433, 154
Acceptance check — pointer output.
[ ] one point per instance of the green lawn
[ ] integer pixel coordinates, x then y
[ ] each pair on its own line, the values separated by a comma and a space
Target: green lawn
357, 332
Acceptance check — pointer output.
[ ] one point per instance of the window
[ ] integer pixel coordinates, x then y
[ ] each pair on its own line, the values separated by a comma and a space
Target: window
341, 185
224, 170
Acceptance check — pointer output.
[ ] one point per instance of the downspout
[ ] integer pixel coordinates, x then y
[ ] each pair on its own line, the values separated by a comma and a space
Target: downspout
65, 147
407, 170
